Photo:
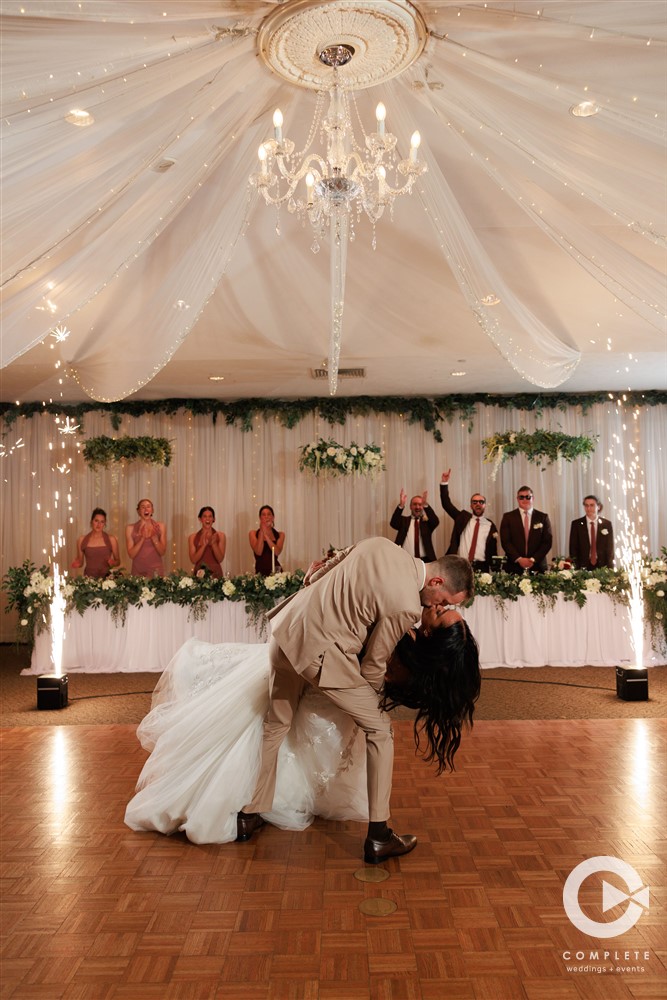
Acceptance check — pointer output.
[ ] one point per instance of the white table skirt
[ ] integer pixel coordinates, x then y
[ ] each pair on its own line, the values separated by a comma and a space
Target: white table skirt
518, 635
147, 642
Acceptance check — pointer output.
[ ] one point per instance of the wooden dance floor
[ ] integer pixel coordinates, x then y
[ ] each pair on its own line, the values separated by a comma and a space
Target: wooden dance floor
93, 911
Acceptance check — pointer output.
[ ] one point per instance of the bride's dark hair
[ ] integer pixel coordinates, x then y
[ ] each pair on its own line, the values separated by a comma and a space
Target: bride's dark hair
443, 685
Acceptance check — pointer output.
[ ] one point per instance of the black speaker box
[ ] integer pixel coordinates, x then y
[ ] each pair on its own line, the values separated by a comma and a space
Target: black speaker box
632, 683
52, 691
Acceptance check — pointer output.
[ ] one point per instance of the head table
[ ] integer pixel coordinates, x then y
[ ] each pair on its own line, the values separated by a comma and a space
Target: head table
511, 634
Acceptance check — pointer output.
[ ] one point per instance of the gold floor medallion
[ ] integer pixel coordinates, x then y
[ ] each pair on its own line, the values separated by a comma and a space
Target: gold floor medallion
371, 874
377, 907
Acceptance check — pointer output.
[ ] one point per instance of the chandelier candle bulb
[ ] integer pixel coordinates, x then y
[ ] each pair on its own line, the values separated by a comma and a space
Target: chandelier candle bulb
382, 182
278, 125
310, 185
414, 146
261, 153
380, 115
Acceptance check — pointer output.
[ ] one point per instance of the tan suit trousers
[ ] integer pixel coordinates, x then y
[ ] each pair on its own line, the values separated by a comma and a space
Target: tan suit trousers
360, 703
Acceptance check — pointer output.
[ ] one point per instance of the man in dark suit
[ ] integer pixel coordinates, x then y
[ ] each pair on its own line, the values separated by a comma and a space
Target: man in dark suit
592, 538
413, 531
474, 536
525, 535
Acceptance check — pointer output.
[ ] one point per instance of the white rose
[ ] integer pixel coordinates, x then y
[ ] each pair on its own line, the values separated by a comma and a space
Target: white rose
24, 621
146, 594
28, 591
228, 588
659, 615
270, 582
604, 531
331, 451
340, 458
108, 584
185, 583
540, 525
566, 574
525, 585
485, 578
660, 593
353, 450
593, 586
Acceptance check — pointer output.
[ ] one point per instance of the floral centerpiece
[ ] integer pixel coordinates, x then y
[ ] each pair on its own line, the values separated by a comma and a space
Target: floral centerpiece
540, 447
30, 591
328, 458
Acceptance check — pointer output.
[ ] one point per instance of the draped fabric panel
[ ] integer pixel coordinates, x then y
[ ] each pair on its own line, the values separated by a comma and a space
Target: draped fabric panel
47, 487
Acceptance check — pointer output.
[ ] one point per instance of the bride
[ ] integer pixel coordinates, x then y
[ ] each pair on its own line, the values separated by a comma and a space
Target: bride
204, 732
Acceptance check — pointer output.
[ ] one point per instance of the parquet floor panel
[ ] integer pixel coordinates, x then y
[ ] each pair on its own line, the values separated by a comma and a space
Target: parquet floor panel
91, 910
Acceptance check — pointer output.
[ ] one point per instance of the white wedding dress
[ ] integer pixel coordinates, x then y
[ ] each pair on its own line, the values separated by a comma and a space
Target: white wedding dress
204, 732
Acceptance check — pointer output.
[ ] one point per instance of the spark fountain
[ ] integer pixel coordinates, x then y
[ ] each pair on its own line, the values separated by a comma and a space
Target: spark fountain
52, 689
632, 682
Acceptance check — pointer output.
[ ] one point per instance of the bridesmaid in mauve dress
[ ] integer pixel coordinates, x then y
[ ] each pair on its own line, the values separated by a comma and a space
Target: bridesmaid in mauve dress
267, 543
146, 542
207, 546
97, 550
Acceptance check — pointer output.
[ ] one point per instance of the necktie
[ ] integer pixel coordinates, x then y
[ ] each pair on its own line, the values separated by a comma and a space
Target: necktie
526, 527
473, 544
417, 552
594, 552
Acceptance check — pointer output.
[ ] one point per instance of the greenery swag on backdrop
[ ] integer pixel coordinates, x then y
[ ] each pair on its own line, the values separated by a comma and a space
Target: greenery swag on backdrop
30, 591
104, 451
429, 411
539, 447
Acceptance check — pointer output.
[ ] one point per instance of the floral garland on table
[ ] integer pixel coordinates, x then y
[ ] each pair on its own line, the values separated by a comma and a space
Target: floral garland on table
328, 458
541, 446
30, 590
105, 450
576, 585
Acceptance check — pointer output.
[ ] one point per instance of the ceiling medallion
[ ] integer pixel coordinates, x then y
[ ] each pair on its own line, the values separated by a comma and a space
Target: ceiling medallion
385, 37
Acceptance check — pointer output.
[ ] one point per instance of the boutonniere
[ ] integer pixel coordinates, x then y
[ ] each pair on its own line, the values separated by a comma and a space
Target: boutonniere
604, 531
540, 525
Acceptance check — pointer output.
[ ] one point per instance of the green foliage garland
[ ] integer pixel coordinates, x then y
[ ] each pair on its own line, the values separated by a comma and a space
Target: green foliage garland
430, 412
540, 446
29, 592
103, 451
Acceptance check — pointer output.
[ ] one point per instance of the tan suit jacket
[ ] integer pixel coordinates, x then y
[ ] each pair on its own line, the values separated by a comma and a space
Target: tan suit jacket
366, 601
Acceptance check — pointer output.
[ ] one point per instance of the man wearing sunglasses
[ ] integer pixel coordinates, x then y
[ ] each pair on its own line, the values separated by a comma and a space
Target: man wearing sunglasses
525, 535
474, 536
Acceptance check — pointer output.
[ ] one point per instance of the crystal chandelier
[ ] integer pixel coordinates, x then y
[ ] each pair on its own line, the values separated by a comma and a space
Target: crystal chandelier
330, 189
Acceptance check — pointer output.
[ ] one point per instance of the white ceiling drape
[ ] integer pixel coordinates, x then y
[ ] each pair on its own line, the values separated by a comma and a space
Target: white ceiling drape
125, 230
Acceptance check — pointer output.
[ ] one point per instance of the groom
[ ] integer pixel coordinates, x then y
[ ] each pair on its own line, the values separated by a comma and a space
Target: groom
358, 604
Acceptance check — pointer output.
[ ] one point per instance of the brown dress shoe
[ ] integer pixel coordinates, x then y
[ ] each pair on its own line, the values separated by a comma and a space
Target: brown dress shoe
377, 851
247, 824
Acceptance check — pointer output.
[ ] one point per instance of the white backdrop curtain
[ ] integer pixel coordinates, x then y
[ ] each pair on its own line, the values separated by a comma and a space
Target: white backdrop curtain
236, 471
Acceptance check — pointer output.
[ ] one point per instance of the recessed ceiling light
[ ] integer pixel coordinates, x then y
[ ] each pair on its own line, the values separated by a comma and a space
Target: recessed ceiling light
216, 378
584, 109
79, 117
458, 374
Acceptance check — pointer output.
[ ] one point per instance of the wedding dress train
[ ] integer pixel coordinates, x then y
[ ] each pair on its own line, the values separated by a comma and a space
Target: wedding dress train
204, 731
